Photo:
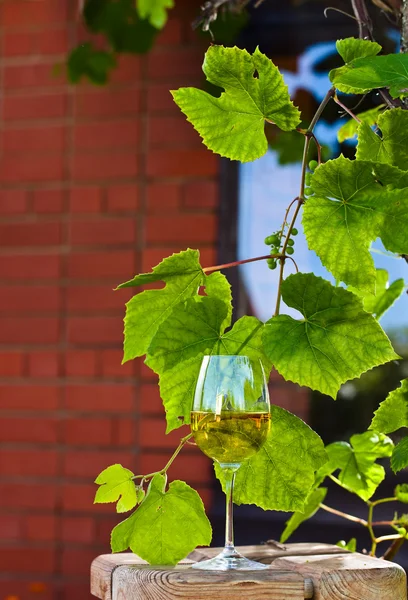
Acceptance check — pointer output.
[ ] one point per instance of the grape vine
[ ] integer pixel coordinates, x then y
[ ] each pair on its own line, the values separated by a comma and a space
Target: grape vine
346, 205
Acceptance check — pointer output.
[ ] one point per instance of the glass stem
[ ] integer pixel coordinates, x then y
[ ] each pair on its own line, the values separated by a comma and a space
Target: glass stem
229, 524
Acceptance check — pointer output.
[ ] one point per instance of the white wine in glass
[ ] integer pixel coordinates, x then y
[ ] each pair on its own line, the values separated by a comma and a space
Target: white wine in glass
230, 420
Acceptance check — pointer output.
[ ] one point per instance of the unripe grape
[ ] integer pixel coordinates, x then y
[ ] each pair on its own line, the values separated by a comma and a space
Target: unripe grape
308, 191
290, 242
271, 263
294, 231
308, 178
313, 165
289, 250
268, 240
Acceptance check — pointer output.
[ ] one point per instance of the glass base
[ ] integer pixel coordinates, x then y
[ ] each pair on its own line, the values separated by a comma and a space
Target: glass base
229, 559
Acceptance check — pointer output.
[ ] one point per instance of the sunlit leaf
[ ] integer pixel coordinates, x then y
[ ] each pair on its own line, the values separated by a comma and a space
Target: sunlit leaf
116, 485
351, 48
385, 295
155, 11
349, 129
392, 413
312, 504
391, 146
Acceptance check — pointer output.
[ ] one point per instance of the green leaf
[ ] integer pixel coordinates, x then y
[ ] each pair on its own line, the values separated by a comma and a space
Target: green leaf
166, 526
389, 175
399, 458
281, 475
351, 48
349, 129
155, 11
348, 211
193, 331
334, 342
146, 311
359, 471
119, 21
385, 295
351, 545
233, 124
365, 74
392, 413
85, 61
217, 286
391, 146
315, 498
117, 485
401, 492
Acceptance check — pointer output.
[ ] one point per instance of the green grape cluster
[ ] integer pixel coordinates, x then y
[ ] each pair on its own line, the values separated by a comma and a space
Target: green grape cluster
274, 241
313, 164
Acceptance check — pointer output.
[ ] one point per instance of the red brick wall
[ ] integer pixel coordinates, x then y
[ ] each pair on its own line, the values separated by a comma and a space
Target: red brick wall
96, 185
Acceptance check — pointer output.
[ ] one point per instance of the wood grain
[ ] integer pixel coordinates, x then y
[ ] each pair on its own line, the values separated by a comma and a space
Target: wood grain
352, 576
147, 583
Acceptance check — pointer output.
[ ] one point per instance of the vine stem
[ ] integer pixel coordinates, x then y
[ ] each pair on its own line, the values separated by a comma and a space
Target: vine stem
386, 538
345, 108
390, 553
374, 540
163, 471
309, 135
247, 260
344, 515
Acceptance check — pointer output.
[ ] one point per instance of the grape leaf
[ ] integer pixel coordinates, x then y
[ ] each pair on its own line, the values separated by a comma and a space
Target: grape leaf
311, 507
392, 413
389, 175
145, 311
372, 72
166, 526
233, 124
116, 484
399, 458
177, 350
351, 48
281, 475
385, 295
349, 129
359, 471
392, 146
218, 286
401, 492
351, 545
155, 11
350, 209
86, 61
334, 342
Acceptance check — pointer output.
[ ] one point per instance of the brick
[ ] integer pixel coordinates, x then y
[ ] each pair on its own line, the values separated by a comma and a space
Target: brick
184, 229
34, 139
29, 76
16, 588
88, 464
28, 463
17, 43
88, 331
163, 197
194, 468
152, 434
123, 198
105, 134
26, 397
27, 495
77, 590
150, 402
102, 265
44, 364
94, 299
125, 433
170, 131
201, 194
11, 364
177, 62
78, 529
101, 397
108, 165
88, 432
159, 99
52, 41
34, 107
171, 34
104, 527
10, 527
79, 497
13, 202
105, 232
76, 561
29, 266
32, 299
111, 364
31, 168
17, 13
48, 201
109, 102
29, 330
85, 199
128, 69
181, 163
40, 561
41, 430
40, 527
80, 363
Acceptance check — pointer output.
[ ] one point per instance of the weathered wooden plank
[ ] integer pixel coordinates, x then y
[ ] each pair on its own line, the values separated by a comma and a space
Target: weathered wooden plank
352, 576
148, 583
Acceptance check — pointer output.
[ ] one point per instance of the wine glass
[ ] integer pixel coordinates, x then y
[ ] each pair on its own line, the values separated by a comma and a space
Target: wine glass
230, 420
